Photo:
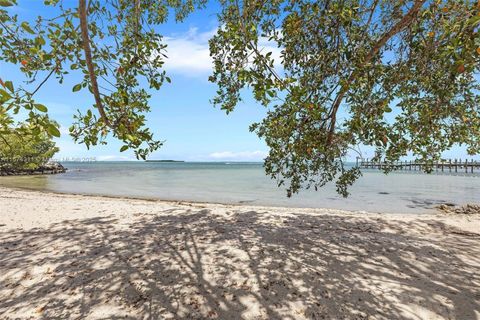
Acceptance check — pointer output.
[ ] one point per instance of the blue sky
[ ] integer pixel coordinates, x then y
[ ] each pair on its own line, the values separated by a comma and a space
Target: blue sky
181, 115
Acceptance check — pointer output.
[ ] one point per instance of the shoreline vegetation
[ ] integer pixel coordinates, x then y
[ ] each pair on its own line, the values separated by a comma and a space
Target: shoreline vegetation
68, 256
47, 168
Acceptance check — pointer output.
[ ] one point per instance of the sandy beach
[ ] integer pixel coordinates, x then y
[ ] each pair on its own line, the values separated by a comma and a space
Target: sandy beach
86, 257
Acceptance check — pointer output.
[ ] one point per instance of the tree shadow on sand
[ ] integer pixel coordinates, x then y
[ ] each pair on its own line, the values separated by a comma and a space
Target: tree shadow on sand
196, 264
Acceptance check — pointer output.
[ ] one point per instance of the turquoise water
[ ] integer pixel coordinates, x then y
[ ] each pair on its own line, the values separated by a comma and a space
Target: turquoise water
247, 183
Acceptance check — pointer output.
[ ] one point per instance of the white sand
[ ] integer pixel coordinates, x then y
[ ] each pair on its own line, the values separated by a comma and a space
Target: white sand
69, 256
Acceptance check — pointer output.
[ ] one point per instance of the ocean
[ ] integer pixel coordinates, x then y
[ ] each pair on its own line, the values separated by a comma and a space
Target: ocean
246, 183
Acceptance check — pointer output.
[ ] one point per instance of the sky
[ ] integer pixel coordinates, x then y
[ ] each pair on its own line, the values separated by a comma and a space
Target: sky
182, 115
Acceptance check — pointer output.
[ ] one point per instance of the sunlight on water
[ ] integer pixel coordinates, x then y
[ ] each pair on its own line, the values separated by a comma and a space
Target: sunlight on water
247, 183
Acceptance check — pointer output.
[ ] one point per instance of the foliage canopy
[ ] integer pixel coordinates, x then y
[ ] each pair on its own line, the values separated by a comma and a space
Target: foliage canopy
24, 148
401, 76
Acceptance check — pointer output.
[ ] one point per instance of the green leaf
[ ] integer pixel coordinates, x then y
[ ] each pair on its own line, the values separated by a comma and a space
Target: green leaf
123, 148
40, 107
6, 96
6, 3
40, 41
27, 27
474, 20
53, 130
9, 86
77, 87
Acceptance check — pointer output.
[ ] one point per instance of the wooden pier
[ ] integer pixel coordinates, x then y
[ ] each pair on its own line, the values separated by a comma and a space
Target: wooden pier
451, 165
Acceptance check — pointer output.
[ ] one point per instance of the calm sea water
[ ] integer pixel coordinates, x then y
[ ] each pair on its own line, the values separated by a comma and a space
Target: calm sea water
247, 183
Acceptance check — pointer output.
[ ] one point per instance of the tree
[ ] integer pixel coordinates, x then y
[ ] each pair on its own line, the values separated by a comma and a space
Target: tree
111, 43
401, 76
23, 148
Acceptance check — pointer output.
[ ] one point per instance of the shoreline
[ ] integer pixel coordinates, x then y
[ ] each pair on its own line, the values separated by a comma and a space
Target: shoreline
185, 202
430, 213
395, 193
78, 256
202, 205
193, 202
426, 211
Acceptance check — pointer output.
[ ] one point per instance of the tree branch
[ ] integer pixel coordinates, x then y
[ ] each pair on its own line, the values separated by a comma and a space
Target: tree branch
399, 26
82, 10
243, 15
137, 17
43, 82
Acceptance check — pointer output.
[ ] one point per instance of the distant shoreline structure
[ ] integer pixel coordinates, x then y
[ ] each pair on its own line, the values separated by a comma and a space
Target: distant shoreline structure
164, 161
452, 165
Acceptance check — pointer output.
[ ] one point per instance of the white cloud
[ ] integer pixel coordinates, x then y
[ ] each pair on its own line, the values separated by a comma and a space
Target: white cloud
114, 158
238, 156
189, 53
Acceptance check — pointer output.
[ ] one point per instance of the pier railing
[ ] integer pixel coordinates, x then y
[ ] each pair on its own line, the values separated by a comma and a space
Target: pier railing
450, 165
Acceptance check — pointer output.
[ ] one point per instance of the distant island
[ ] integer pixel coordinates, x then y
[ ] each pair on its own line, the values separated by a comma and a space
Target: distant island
164, 161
